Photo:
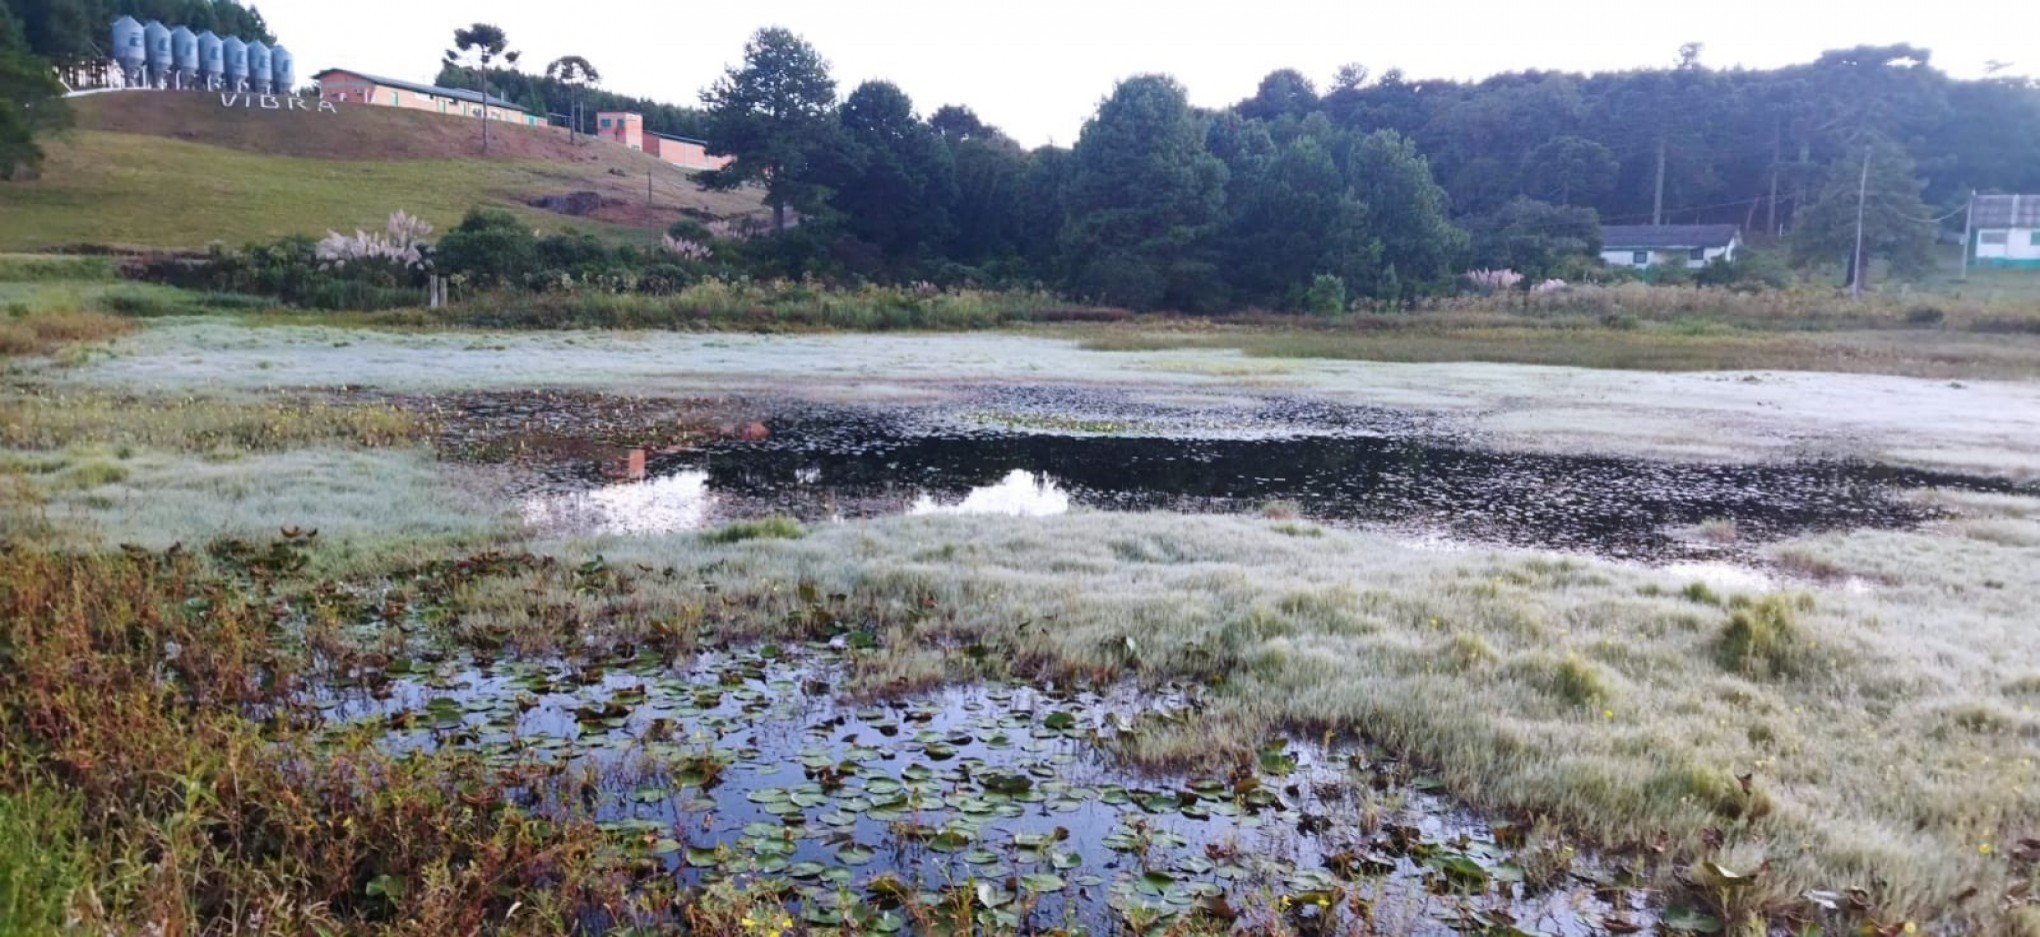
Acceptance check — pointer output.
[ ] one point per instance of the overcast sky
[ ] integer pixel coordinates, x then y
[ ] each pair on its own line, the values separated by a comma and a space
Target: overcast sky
1037, 68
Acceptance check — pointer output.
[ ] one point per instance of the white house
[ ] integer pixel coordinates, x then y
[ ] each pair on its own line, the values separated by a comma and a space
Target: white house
2005, 231
1644, 246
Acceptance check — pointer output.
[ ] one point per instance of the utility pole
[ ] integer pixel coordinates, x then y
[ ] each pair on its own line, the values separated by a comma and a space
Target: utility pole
1657, 205
1771, 204
1856, 260
648, 187
1968, 231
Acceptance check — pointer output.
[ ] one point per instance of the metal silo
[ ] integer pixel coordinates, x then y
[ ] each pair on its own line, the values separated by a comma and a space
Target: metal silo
128, 48
258, 67
236, 53
184, 56
282, 69
156, 39
212, 62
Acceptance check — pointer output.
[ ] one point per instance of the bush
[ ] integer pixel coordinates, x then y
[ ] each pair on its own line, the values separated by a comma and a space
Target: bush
489, 248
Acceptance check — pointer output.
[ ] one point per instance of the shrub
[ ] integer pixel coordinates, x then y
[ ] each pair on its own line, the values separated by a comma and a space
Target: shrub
489, 248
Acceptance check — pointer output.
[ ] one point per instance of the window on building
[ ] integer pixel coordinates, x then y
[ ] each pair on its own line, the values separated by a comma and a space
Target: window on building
605, 121
2033, 238
1698, 253
1640, 258
1997, 238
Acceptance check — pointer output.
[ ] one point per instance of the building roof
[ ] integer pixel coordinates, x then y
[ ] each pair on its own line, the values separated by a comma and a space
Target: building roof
1667, 237
458, 94
676, 138
2006, 211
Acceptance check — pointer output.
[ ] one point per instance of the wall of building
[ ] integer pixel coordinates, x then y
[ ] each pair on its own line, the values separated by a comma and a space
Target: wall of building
354, 89
2006, 247
684, 154
622, 128
1644, 259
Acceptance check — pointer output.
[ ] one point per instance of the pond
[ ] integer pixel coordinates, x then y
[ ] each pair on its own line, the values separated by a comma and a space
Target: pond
1340, 465
1001, 807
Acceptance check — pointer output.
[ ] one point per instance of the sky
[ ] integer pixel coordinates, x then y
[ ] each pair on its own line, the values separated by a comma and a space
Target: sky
1037, 69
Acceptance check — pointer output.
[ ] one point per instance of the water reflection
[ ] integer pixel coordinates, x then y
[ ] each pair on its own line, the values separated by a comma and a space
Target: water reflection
680, 501
1020, 494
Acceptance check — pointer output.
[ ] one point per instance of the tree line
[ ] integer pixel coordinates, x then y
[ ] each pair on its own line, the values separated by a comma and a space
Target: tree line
1378, 187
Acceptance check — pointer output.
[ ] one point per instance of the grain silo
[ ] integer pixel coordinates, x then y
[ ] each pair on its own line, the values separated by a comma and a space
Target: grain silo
236, 53
282, 69
128, 48
258, 67
184, 57
211, 60
156, 40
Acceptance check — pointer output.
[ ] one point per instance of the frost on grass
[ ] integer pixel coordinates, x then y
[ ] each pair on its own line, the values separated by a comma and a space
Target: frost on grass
1988, 427
154, 498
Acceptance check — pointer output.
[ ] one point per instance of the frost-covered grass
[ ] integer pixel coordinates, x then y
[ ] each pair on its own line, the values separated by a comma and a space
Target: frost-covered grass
371, 499
1991, 427
1885, 732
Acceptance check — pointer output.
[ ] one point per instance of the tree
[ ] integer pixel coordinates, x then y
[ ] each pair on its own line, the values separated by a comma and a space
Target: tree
1536, 239
490, 247
479, 46
574, 72
1284, 93
31, 100
1291, 216
1144, 199
1895, 223
1412, 246
1565, 169
892, 178
773, 115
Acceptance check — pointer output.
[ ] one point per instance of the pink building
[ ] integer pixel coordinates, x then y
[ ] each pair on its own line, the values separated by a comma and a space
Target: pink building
628, 129
621, 127
684, 152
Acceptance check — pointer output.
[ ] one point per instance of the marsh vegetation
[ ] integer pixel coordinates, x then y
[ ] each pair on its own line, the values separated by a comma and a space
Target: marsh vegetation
1147, 715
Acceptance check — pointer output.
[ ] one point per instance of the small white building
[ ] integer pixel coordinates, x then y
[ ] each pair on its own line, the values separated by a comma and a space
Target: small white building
1641, 247
2005, 231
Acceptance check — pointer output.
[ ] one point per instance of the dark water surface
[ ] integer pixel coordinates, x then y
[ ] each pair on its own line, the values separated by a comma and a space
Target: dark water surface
1340, 465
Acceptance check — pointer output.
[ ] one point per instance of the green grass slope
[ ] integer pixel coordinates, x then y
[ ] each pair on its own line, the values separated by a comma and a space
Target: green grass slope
177, 171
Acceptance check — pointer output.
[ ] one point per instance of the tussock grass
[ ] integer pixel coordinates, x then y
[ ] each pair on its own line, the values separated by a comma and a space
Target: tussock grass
1761, 639
765, 528
54, 420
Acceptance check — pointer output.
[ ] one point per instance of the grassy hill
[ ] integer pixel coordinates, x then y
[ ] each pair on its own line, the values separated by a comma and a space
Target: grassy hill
178, 170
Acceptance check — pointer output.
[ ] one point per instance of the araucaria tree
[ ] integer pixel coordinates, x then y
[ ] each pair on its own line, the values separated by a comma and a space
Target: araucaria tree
478, 47
774, 114
574, 72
